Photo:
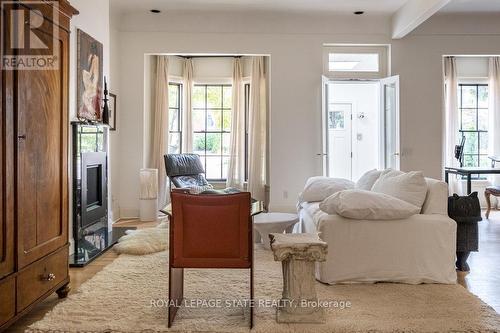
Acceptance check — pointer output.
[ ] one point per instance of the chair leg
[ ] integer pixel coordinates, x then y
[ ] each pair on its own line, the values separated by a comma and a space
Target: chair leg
488, 203
251, 297
175, 292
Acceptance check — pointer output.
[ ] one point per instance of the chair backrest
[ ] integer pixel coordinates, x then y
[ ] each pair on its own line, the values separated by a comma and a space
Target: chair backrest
211, 231
185, 170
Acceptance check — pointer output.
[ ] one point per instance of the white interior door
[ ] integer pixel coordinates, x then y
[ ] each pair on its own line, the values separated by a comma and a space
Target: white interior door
336, 134
389, 98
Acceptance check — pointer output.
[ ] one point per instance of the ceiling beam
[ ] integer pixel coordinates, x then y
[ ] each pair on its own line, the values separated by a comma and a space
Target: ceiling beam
412, 14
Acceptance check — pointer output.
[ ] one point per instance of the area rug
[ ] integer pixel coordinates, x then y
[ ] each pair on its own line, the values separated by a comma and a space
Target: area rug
129, 295
143, 241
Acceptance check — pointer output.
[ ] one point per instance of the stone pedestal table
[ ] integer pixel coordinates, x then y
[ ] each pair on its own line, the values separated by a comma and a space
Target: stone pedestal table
298, 254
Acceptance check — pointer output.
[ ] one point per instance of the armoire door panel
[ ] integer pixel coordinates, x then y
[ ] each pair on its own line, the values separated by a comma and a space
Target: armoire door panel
6, 169
42, 157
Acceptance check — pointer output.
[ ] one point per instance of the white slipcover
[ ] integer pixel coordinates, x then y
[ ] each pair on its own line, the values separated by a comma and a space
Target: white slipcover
418, 249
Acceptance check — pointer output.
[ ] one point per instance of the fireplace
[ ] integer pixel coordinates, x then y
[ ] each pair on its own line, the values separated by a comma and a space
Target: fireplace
90, 193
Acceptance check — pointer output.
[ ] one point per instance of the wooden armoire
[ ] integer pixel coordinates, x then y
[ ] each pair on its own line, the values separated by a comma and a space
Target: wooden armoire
34, 154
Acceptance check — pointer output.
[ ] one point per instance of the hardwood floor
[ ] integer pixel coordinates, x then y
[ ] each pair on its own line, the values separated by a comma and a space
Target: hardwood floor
484, 277
483, 280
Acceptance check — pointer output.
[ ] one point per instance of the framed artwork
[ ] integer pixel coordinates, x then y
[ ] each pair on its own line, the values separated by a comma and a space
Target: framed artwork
90, 78
112, 112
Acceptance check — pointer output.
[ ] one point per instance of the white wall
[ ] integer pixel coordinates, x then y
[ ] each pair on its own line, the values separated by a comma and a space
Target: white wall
94, 20
295, 44
472, 67
418, 60
114, 136
295, 71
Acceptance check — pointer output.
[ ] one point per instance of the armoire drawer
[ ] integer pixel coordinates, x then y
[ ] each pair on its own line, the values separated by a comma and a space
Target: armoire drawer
41, 276
7, 299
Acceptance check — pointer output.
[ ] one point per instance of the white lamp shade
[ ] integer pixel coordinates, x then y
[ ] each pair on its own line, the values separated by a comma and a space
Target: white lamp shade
149, 184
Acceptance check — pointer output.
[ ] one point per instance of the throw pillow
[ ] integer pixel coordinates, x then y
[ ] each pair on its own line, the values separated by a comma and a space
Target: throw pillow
367, 205
368, 179
410, 187
318, 188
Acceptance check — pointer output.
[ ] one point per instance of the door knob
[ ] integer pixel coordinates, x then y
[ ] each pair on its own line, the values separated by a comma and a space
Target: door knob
396, 154
21, 137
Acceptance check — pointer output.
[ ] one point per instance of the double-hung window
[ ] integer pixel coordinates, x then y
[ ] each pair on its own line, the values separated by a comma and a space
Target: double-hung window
211, 119
473, 110
174, 118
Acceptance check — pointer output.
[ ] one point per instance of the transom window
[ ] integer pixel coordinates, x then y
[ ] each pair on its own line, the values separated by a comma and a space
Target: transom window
211, 105
473, 108
174, 118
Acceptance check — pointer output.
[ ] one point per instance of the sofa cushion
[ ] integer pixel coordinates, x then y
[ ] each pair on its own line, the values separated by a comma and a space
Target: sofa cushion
367, 205
410, 187
436, 199
368, 179
318, 188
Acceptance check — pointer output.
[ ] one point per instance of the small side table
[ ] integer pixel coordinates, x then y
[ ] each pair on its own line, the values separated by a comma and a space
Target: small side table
298, 254
267, 223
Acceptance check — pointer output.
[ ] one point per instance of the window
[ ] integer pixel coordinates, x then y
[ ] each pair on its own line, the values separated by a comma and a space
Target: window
355, 61
473, 108
247, 121
211, 104
174, 115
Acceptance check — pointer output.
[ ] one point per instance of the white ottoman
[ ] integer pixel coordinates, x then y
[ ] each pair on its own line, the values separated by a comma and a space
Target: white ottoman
268, 223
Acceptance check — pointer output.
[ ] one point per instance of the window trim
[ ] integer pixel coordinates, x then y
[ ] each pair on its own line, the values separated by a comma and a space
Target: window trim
246, 103
179, 108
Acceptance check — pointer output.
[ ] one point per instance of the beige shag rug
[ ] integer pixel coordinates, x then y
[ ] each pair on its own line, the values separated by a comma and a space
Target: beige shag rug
143, 241
129, 295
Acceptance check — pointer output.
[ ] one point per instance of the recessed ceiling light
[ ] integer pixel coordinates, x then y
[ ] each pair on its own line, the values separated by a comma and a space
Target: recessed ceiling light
359, 12
155, 11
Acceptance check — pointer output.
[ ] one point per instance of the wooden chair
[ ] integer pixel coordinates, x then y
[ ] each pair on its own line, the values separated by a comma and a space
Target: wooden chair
208, 231
491, 190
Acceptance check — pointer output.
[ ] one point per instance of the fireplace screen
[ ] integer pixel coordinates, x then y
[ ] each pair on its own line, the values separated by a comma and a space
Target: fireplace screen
94, 186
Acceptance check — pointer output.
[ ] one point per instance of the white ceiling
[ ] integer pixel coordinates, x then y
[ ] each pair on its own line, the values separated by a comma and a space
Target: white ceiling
472, 6
340, 6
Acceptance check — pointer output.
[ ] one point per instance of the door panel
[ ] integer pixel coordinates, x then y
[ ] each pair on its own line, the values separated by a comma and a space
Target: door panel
389, 97
42, 157
6, 169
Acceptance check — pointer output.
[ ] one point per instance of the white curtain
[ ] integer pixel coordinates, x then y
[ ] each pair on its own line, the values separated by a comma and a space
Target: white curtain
494, 121
160, 131
187, 119
236, 170
257, 130
452, 117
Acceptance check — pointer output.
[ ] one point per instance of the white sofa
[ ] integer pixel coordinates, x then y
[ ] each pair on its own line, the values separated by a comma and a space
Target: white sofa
419, 249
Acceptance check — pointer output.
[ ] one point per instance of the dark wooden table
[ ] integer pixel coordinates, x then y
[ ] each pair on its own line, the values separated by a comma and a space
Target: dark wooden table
468, 172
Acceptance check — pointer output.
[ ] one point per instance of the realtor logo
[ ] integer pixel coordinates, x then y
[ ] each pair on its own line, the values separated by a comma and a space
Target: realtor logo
30, 39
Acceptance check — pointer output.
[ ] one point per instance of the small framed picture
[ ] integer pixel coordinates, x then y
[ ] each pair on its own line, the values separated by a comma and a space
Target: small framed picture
112, 112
